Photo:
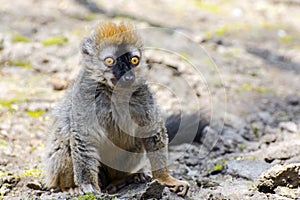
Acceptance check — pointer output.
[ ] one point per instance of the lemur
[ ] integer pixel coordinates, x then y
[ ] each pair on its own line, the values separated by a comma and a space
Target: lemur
108, 120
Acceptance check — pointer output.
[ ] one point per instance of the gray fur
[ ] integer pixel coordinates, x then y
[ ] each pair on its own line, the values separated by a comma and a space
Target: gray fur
100, 134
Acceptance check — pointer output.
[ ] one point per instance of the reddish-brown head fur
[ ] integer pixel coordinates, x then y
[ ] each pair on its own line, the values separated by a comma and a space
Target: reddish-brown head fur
117, 34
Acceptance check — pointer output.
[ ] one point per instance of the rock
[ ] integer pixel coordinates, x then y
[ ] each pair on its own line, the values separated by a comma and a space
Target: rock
231, 139
192, 161
292, 100
10, 180
1, 43
59, 84
289, 126
268, 139
283, 152
279, 175
266, 117
34, 185
234, 121
294, 159
4, 190
7, 183
210, 139
287, 192
167, 195
246, 133
154, 190
248, 169
206, 183
38, 106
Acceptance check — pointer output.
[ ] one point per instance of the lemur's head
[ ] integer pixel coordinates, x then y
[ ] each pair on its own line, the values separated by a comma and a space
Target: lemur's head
112, 53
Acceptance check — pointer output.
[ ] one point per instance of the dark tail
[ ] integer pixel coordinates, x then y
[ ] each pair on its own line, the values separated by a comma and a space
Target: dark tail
185, 128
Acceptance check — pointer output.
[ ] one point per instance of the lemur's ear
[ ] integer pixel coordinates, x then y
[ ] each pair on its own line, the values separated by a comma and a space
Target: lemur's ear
87, 47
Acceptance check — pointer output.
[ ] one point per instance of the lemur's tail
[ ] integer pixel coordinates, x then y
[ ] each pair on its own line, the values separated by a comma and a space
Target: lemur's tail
185, 128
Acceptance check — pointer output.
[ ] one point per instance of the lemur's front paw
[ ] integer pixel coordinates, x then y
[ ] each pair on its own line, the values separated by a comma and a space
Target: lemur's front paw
141, 178
178, 186
84, 189
89, 188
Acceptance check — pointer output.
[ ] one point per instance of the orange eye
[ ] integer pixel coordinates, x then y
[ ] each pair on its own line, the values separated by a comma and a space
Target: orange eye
135, 60
109, 61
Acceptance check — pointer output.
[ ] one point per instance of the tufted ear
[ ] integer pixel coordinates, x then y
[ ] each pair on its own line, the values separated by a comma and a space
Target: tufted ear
87, 47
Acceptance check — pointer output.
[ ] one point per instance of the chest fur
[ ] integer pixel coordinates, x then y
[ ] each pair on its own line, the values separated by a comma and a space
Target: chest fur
124, 118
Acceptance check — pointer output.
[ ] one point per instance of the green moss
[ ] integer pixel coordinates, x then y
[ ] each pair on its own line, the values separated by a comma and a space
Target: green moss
3, 174
226, 29
37, 173
255, 130
269, 26
250, 87
21, 64
261, 90
218, 84
1, 45
90, 17
3, 143
242, 147
20, 38
55, 41
218, 168
221, 31
7, 103
88, 196
247, 87
208, 35
10, 103
206, 6
287, 39
36, 114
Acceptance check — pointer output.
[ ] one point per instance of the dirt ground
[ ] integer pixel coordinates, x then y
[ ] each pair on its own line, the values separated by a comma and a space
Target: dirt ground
247, 75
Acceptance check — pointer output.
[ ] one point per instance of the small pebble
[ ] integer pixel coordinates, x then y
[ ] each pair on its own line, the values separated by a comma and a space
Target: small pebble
293, 100
289, 126
34, 185
59, 84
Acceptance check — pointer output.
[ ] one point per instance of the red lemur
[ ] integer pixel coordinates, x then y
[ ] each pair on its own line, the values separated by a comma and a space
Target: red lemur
108, 120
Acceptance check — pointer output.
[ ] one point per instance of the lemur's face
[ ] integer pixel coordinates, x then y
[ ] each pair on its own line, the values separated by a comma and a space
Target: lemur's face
112, 55
120, 62
114, 64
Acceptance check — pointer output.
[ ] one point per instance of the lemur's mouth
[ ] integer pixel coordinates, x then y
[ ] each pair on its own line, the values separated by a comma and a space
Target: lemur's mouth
124, 81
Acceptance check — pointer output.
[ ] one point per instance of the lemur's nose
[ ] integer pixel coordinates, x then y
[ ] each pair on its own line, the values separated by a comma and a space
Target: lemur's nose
129, 77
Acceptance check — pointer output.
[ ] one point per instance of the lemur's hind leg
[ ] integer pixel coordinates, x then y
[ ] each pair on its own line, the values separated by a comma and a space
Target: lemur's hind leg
59, 166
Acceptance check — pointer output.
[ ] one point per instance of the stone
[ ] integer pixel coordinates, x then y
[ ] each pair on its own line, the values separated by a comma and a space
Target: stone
248, 169
4, 190
34, 185
268, 139
10, 179
206, 183
292, 100
59, 84
288, 192
231, 139
266, 117
154, 190
289, 126
279, 175
282, 152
